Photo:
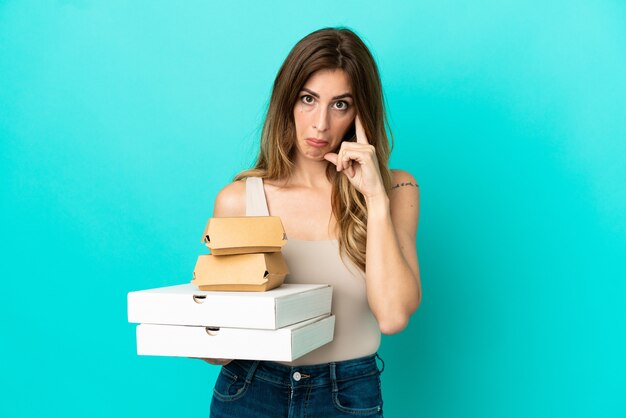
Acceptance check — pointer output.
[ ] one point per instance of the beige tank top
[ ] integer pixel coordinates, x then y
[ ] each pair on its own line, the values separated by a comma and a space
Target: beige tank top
356, 330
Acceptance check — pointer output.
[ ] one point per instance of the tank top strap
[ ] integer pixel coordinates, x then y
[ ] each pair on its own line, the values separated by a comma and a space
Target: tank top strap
256, 204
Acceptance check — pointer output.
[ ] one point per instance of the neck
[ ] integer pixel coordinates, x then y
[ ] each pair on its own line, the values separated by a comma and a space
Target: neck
309, 173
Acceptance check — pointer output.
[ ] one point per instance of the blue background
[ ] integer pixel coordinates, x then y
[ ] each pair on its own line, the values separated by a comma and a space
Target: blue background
120, 121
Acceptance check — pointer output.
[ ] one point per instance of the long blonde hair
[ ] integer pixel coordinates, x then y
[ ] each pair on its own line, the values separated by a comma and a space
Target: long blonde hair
328, 48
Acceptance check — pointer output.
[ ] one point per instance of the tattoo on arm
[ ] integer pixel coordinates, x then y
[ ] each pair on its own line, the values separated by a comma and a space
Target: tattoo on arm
405, 184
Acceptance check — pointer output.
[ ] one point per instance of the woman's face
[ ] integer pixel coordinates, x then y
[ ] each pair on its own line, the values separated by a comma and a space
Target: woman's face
323, 113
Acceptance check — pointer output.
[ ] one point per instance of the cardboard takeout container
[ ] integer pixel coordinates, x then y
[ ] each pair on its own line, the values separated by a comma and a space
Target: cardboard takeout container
244, 235
284, 344
240, 272
184, 304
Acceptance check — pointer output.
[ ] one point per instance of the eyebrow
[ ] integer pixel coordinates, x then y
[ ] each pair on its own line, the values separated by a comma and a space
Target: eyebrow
341, 96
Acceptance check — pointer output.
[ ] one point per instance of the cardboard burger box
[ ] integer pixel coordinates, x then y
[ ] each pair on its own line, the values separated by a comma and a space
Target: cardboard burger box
244, 235
241, 272
283, 344
281, 324
245, 254
184, 304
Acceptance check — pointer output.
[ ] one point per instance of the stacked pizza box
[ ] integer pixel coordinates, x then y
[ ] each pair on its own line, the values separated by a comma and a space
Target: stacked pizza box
237, 305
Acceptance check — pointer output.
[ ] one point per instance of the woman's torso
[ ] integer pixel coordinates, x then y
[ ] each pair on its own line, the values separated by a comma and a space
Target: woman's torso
318, 261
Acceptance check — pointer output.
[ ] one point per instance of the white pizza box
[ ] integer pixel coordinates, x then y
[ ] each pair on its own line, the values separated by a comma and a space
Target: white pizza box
185, 304
283, 344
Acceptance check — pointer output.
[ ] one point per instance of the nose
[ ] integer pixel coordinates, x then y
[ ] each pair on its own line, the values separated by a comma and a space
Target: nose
321, 119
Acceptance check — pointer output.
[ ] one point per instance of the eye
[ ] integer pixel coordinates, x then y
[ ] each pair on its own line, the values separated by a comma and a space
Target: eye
304, 97
345, 105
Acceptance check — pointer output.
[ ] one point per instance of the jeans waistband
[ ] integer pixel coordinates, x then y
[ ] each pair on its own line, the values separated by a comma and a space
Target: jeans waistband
310, 375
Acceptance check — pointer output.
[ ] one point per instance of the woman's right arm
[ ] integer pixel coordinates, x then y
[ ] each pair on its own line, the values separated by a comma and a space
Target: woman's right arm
230, 201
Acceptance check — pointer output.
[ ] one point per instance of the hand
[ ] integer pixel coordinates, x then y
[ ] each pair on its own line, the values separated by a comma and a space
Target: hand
364, 175
216, 361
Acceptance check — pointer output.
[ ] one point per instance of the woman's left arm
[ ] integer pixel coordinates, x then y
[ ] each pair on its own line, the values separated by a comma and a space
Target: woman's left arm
391, 268
392, 271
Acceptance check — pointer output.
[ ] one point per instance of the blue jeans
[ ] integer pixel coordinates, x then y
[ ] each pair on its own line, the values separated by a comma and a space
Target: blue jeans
252, 388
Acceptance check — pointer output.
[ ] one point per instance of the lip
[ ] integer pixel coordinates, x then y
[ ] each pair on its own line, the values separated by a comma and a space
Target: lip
317, 143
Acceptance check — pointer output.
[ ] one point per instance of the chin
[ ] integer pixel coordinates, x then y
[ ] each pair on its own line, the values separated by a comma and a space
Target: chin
317, 156
313, 153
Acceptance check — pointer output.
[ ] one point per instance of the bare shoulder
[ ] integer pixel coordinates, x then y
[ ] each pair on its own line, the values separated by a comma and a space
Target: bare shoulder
231, 200
403, 179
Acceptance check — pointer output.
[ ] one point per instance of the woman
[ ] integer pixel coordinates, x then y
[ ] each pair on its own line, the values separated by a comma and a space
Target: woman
322, 168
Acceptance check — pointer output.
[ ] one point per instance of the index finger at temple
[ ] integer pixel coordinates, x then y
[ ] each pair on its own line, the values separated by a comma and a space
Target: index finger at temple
360, 132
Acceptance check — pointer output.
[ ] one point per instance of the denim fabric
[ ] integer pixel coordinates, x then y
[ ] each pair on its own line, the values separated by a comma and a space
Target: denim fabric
252, 388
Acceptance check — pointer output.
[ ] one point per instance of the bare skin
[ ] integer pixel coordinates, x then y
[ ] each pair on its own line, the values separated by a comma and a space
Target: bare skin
303, 201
